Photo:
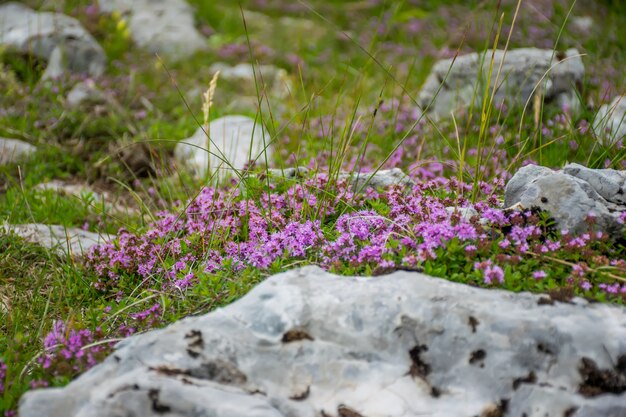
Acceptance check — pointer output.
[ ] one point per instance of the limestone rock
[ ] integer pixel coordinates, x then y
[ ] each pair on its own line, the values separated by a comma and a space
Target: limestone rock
267, 82
165, 27
571, 194
83, 92
610, 121
582, 25
58, 39
275, 31
465, 213
518, 184
69, 189
609, 183
60, 239
306, 343
246, 72
289, 173
12, 150
104, 199
380, 179
235, 140
452, 84
275, 80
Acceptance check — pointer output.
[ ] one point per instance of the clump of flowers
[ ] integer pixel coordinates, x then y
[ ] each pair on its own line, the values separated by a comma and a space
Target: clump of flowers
70, 349
65, 347
491, 273
230, 230
221, 229
150, 316
3, 375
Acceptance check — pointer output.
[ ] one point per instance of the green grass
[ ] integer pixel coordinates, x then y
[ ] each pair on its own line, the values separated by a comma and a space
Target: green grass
344, 82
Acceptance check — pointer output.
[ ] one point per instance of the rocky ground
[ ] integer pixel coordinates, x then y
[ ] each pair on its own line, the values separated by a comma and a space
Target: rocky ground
158, 160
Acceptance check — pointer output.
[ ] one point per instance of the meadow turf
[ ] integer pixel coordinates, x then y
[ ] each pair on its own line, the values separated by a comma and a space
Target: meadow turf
189, 246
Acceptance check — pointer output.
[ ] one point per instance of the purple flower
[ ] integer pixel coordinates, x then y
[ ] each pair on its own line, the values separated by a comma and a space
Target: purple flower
579, 270
70, 346
539, 275
610, 288
141, 114
185, 282
3, 375
492, 273
39, 383
92, 10
583, 126
151, 313
56, 336
470, 248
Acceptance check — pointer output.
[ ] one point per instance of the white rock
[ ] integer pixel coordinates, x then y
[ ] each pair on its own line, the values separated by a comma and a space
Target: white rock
164, 27
452, 83
306, 343
289, 173
235, 140
380, 179
82, 92
67, 189
583, 25
104, 200
610, 121
276, 80
54, 37
60, 239
243, 71
571, 194
465, 213
274, 31
12, 150
267, 82
610, 184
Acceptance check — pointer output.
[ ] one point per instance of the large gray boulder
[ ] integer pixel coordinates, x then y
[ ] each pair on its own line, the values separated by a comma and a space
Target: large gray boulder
452, 83
571, 194
235, 140
58, 39
13, 150
610, 121
60, 239
306, 343
164, 27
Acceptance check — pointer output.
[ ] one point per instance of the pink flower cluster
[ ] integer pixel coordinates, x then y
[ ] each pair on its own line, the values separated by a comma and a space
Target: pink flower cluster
222, 229
67, 345
3, 375
225, 229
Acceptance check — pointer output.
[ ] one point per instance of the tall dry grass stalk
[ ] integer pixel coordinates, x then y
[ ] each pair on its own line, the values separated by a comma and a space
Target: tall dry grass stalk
207, 102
